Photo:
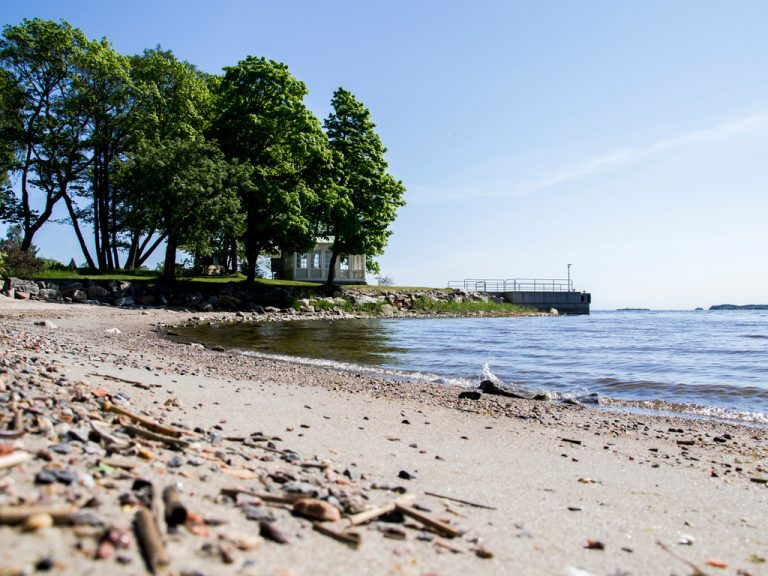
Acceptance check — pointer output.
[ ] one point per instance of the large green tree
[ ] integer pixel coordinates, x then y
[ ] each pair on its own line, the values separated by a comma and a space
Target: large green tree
171, 100
363, 199
39, 59
262, 122
193, 194
105, 101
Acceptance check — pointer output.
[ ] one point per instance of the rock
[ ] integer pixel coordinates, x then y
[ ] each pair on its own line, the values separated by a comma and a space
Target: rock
46, 323
124, 301
316, 510
388, 310
113, 331
490, 388
95, 291
17, 284
470, 395
67, 290
20, 295
37, 522
554, 312
49, 294
405, 475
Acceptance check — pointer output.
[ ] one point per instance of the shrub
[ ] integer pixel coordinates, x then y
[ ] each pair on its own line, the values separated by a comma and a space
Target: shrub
19, 263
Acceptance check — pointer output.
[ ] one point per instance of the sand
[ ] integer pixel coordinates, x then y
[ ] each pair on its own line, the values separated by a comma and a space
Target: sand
574, 490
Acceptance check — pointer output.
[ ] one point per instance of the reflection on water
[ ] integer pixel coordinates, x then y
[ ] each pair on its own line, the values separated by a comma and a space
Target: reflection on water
350, 341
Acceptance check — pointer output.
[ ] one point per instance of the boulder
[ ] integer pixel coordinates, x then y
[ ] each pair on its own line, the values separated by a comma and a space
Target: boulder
79, 296
124, 301
95, 291
67, 290
23, 285
49, 294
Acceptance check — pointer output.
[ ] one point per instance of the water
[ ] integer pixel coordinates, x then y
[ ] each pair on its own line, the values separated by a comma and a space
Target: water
708, 363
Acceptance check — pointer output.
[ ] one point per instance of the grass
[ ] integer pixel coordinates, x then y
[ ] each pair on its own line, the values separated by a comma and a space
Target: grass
470, 307
76, 275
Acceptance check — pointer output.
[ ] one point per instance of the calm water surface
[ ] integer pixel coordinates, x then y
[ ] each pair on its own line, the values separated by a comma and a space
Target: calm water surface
712, 363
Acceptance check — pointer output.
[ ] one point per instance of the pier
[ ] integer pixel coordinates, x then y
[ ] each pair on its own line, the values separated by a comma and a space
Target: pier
540, 293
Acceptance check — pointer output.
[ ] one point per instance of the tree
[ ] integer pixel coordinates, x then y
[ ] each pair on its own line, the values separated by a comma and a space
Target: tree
171, 100
363, 199
104, 100
262, 122
193, 194
39, 59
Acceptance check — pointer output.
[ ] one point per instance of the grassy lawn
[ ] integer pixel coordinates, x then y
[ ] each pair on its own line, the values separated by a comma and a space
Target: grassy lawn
153, 275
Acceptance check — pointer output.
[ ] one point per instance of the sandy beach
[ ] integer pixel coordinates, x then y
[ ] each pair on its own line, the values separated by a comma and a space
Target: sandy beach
562, 489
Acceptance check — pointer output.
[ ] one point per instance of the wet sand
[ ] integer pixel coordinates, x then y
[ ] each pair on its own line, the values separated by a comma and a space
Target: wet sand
574, 490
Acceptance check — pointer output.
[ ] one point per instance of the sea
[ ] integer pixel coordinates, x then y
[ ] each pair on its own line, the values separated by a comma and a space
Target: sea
703, 364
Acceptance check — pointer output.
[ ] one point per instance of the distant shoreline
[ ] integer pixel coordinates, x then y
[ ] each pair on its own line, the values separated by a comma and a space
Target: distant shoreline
737, 307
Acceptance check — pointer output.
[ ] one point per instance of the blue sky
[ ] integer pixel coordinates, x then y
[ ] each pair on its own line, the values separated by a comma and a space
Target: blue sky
626, 138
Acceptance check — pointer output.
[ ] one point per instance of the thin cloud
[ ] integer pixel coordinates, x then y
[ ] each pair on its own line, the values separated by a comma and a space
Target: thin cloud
620, 158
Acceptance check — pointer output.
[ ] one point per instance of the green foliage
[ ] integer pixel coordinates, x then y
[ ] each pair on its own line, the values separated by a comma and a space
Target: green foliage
43, 102
194, 193
363, 199
469, 307
262, 122
133, 147
19, 263
2, 263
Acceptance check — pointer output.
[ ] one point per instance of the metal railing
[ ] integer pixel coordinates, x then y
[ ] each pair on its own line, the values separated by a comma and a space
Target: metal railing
514, 285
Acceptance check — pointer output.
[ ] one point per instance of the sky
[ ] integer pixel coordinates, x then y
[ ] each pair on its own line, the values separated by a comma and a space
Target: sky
627, 139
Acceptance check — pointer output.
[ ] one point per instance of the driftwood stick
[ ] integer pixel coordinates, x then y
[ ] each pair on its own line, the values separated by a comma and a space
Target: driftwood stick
459, 500
14, 459
146, 422
448, 546
434, 523
107, 435
368, 515
136, 431
175, 511
233, 491
696, 570
118, 379
349, 538
148, 535
12, 515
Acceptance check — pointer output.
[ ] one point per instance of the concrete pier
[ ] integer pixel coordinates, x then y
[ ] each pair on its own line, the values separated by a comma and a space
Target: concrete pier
540, 293
564, 302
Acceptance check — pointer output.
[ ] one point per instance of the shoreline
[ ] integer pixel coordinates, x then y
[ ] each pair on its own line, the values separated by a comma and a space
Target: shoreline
558, 476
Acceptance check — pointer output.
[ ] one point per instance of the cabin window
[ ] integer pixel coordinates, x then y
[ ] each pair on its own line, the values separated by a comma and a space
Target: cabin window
301, 261
315, 259
344, 263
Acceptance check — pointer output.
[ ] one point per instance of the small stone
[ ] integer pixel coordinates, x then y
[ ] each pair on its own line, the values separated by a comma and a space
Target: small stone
44, 564
258, 513
113, 331
175, 462
45, 477
316, 510
37, 522
46, 323
61, 448
405, 475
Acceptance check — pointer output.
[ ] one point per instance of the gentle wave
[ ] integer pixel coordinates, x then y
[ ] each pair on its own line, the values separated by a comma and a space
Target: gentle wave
708, 364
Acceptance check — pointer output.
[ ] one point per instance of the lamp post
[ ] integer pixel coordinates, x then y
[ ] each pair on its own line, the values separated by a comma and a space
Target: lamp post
569, 277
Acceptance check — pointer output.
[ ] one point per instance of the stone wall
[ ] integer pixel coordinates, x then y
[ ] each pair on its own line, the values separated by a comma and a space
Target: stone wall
206, 297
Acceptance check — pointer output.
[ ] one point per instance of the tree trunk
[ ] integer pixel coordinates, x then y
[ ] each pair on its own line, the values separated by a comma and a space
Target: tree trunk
78, 233
169, 266
233, 256
332, 269
133, 250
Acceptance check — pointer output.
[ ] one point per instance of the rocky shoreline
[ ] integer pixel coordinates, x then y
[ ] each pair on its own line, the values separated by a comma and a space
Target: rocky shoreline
275, 302
99, 412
